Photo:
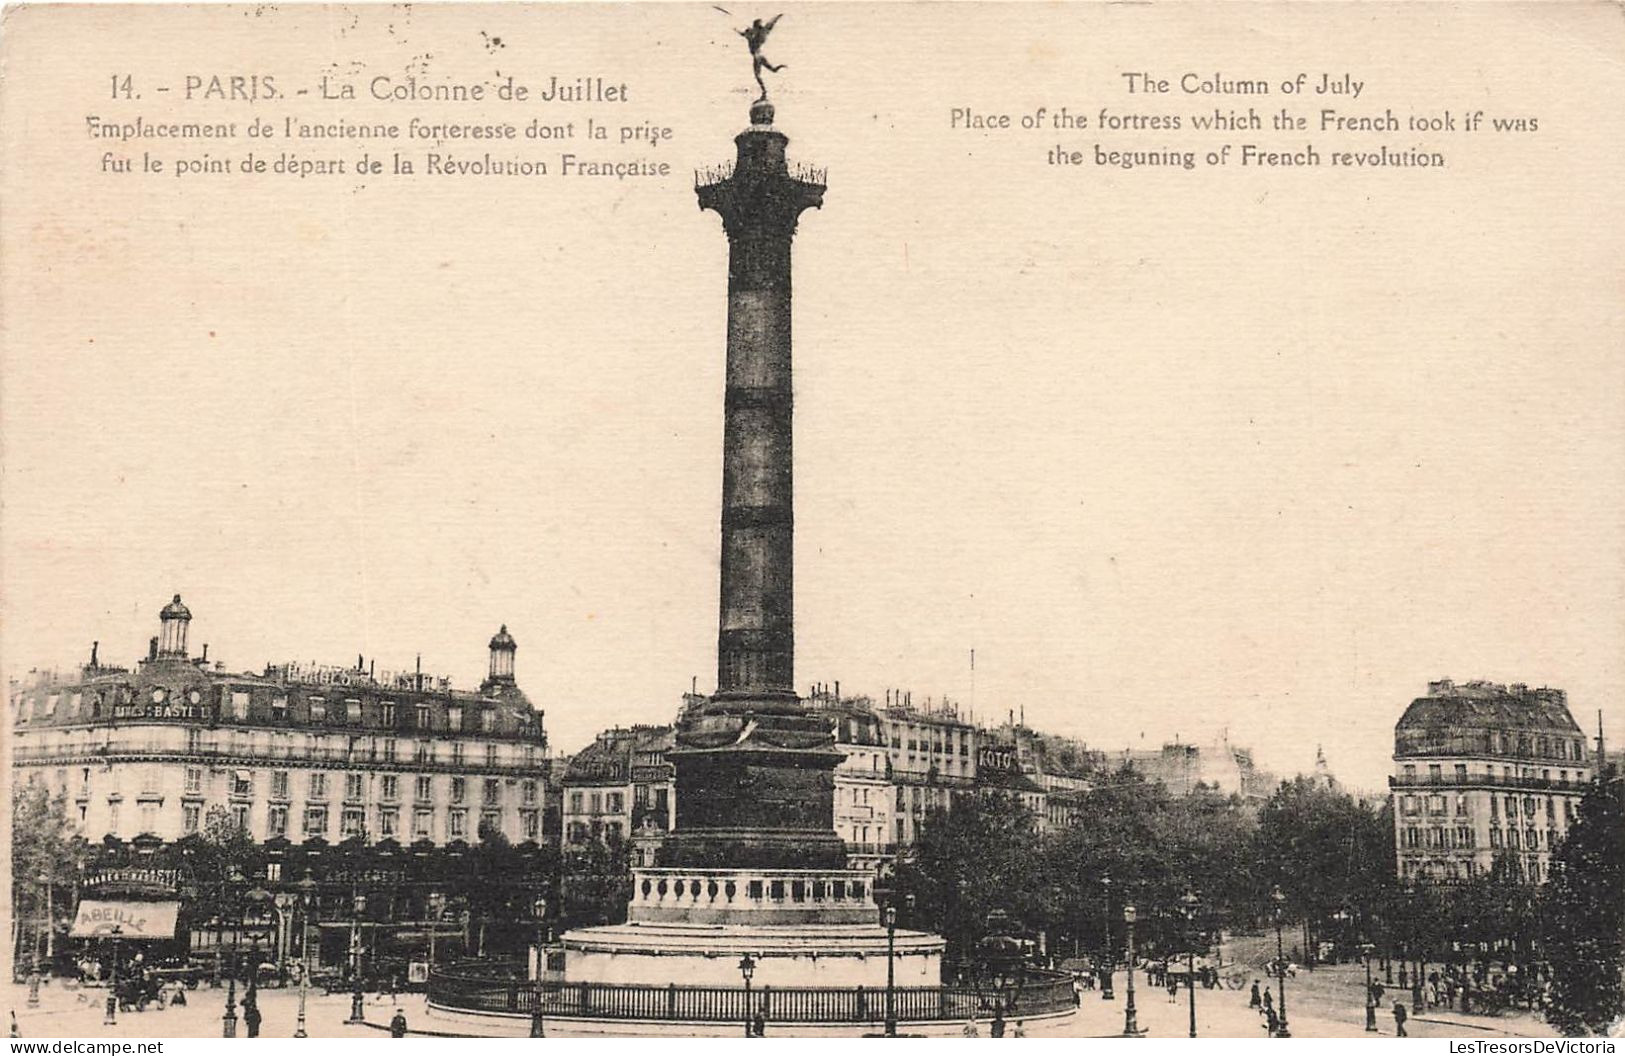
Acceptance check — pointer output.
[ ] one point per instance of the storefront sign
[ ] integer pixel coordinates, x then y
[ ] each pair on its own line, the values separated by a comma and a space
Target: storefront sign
996, 759
134, 920
164, 879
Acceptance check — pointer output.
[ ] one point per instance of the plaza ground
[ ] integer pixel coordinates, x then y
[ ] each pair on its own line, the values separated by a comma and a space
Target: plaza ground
1325, 1002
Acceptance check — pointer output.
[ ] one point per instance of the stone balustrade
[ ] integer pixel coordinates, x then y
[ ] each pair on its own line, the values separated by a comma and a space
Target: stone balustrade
761, 896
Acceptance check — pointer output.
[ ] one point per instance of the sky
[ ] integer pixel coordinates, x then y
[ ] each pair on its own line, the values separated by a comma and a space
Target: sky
1175, 452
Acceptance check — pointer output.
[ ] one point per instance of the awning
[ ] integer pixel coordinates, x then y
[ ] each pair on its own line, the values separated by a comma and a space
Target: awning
134, 920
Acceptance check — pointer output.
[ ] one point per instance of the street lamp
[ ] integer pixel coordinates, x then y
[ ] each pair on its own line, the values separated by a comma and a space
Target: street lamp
1111, 959
1131, 1026
228, 1021
34, 973
1190, 904
537, 1030
1370, 998
891, 958
437, 908
1278, 902
112, 984
1342, 918
747, 968
307, 905
358, 903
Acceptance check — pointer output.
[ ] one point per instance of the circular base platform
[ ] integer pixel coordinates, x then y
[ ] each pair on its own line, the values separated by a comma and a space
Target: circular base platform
838, 955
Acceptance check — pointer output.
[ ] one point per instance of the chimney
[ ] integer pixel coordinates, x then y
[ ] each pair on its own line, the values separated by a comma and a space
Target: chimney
205, 652
93, 647
152, 648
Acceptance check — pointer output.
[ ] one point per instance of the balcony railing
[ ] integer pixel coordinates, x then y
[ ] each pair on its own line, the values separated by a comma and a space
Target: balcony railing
249, 756
870, 849
492, 988
1425, 781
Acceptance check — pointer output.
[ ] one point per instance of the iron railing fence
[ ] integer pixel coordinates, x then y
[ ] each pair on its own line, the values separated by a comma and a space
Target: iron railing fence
501, 988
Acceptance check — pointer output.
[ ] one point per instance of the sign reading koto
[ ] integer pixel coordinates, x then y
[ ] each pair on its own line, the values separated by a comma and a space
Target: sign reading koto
134, 920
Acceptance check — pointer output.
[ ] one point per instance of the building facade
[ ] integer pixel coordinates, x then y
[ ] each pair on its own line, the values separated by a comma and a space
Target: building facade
933, 761
620, 788
1221, 766
863, 780
1482, 772
292, 753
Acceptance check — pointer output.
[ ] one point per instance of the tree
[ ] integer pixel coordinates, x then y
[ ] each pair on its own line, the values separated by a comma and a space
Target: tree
970, 860
1328, 853
596, 883
1584, 917
42, 846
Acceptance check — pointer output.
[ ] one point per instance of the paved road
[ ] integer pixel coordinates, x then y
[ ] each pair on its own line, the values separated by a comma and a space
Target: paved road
72, 1013
1325, 1003
1337, 993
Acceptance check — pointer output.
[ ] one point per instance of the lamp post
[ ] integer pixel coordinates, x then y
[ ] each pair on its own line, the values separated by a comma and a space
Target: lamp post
1131, 1026
1278, 902
1342, 918
34, 970
1190, 904
307, 905
111, 1017
891, 960
228, 1021
537, 1030
891, 981
1111, 958
228, 894
747, 968
1370, 998
437, 908
358, 905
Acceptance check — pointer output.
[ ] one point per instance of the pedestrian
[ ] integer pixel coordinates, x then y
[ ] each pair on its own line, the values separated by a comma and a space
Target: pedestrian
397, 1025
1272, 1022
1269, 1001
1021, 1029
1173, 989
1255, 1001
970, 1030
759, 1024
996, 1028
251, 1016
1399, 1020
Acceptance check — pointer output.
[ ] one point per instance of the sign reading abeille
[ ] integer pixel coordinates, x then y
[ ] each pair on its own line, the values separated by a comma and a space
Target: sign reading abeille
131, 920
